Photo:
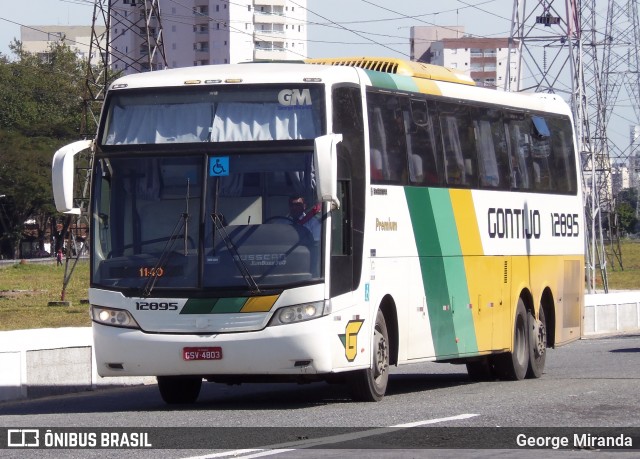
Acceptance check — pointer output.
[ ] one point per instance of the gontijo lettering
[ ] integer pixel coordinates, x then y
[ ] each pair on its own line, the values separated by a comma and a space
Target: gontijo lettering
513, 223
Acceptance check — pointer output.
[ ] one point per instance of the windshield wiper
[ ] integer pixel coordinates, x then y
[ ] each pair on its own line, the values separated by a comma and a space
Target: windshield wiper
182, 223
231, 247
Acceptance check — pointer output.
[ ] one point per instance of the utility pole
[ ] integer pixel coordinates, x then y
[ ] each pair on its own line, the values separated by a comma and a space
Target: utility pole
144, 22
597, 47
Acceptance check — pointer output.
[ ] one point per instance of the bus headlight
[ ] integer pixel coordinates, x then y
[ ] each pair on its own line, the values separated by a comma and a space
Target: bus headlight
301, 312
113, 317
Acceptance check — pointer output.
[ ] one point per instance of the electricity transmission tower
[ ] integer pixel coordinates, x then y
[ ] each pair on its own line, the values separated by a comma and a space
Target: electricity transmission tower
140, 18
589, 53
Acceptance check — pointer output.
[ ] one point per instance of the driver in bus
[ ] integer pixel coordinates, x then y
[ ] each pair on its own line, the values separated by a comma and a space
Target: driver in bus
299, 214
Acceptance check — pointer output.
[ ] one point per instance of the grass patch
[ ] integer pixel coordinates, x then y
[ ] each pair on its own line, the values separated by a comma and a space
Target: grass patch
626, 277
26, 290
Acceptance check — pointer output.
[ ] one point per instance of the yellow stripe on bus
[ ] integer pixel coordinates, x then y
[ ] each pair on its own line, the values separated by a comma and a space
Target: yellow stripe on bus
484, 291
466, 222
427, 87
259, 303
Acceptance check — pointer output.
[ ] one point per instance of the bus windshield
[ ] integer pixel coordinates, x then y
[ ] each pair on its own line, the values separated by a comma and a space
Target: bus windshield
212, 114
205, 221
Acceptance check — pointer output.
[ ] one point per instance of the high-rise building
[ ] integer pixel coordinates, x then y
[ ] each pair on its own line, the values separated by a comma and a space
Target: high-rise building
486, 60
202, 32
634, 156
38, 39
423, 37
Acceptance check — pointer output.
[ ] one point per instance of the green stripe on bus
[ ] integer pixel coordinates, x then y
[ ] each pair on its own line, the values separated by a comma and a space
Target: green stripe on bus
391, 81
199, 306
381, 80
443, 273
405, 83
225, 305
213, 305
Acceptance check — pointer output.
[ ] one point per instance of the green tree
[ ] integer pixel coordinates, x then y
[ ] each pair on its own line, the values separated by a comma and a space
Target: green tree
626, 204
42, 95
41, 102
25, 182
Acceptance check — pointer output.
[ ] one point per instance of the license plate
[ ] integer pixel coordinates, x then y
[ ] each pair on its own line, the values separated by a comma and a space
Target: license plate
202, 353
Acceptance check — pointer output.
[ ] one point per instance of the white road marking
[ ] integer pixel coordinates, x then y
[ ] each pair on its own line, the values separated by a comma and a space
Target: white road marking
310, 443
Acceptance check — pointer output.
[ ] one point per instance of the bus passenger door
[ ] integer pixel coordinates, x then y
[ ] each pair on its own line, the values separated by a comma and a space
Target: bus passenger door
341, 245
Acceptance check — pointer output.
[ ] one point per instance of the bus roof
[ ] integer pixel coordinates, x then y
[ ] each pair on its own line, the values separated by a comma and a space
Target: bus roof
387, 73
249, 73
399, 67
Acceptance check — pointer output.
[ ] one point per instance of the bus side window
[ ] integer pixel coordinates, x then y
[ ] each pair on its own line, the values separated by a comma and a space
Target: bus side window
387, 139
459, 145
562, 161
540, 152
519, 137
493, 158
422, 154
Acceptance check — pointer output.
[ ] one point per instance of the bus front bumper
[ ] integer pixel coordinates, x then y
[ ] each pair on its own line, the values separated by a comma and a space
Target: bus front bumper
293, 349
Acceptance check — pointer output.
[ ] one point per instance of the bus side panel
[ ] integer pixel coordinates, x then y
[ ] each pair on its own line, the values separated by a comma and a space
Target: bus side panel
443, 271
488, 282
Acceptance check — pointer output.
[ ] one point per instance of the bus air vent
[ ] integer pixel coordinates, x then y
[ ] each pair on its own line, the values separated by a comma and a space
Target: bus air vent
398, 67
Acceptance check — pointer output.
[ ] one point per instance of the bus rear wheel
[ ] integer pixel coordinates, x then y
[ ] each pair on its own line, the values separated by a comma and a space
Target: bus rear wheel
513, 365
370, 385
179, 389
537, 344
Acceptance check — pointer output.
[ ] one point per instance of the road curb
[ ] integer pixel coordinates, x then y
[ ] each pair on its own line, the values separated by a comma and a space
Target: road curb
52, 361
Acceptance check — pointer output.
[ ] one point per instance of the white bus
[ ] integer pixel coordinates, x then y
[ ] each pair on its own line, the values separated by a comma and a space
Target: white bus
325, 220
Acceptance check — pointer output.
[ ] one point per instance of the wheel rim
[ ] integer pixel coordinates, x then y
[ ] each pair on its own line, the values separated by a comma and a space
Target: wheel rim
381, 363
520, 342
541, 340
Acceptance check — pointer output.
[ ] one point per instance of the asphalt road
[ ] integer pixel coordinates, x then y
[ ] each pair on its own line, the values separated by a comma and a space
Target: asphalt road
587, 385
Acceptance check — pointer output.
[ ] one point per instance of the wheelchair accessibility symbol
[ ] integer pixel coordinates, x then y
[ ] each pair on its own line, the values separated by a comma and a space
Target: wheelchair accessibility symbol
218, 166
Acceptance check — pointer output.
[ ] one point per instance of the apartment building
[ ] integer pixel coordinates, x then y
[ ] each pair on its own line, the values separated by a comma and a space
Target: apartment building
486, 60
38, 39
202, 32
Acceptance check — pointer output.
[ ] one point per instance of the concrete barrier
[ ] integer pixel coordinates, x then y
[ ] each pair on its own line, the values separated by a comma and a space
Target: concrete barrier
50, 361
607, 313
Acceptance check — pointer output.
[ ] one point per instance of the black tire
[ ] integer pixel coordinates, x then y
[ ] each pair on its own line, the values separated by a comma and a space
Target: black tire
481, 370
179, 389
537, 344
513, 365
370, 385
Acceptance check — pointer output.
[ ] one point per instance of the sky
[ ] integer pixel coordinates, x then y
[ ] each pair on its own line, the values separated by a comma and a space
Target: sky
336, 27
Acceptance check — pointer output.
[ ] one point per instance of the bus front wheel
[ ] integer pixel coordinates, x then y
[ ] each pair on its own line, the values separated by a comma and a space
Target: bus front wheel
513, 365
370, 385
179, 389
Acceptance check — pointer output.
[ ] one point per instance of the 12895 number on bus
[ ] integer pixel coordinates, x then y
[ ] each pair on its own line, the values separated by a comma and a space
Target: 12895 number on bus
155, 306
565, 225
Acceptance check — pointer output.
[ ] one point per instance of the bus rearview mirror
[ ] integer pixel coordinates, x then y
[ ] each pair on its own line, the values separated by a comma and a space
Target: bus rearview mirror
62, 175
325, 160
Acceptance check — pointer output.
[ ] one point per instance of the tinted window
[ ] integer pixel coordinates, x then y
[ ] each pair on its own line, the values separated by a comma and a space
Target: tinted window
459, 145
389, 116
423, 156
